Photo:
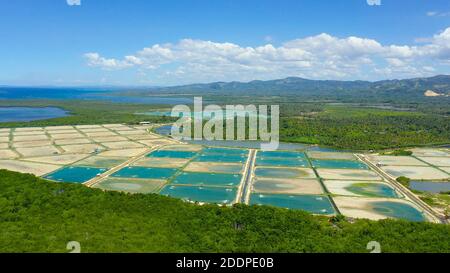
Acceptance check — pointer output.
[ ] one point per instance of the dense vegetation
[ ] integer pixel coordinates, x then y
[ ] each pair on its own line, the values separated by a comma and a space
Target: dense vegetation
364, 128
345, 126
42, 216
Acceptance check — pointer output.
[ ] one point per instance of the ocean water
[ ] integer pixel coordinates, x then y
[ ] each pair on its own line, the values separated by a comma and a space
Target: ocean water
17, 114
24, 93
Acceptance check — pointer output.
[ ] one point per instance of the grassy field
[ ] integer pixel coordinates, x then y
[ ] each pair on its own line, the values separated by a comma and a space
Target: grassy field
41, 216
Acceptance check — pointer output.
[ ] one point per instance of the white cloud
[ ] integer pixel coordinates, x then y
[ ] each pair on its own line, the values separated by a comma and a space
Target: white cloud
73, 2
374, 2
437, 14
320, 56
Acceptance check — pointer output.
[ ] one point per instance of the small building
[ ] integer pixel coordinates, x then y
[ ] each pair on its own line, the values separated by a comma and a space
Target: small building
144, 123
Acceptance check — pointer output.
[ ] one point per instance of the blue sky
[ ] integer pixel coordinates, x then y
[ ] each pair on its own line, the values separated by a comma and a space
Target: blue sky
168, 42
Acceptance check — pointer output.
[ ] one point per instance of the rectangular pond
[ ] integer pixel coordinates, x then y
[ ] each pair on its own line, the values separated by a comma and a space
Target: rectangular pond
218, 195
172, 154
208, 179
75, 174
284, 172
229, 158
281, 162
316, 204
145, 173
338, 164
130, 185
283, 154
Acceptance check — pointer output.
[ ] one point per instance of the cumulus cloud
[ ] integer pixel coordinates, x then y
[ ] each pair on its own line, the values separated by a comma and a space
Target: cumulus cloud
319, 56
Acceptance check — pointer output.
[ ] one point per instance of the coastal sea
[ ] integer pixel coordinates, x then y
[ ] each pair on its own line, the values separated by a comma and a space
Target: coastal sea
111, 95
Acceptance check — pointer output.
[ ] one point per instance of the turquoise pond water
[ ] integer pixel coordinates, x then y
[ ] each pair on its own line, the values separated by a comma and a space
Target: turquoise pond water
235, 168
145, 173
338, 164
224, 151
208, 179
397, 210
221, 158
373, 190
277, 161
282, 154
312, 203
75, 174
217, 195
279, 172
172, 154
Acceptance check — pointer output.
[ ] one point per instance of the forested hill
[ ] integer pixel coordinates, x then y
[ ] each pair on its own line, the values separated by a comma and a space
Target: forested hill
303, 87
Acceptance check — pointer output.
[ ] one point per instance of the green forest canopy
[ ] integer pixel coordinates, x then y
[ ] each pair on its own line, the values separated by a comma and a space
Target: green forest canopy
41, 216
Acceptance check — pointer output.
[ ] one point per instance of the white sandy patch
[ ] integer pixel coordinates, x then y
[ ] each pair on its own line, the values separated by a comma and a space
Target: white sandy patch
396, 160
8, 154
122, 128
82, 148
28, 129
37, 169
72, 141
4, 139
4, 145
429, 152
123, 153
88, 126
63, 159
416, 172
56, 132
101, 134
143, 137
37, 151
5, 130
347, 174
30, 138
133, 132
445, 169
64, 127
27, 133
95, 130
437, 161
109, 139
26, 144
122, 145
67, 136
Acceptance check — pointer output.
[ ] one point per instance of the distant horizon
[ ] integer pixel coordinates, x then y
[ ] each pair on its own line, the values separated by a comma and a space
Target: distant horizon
202, 83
